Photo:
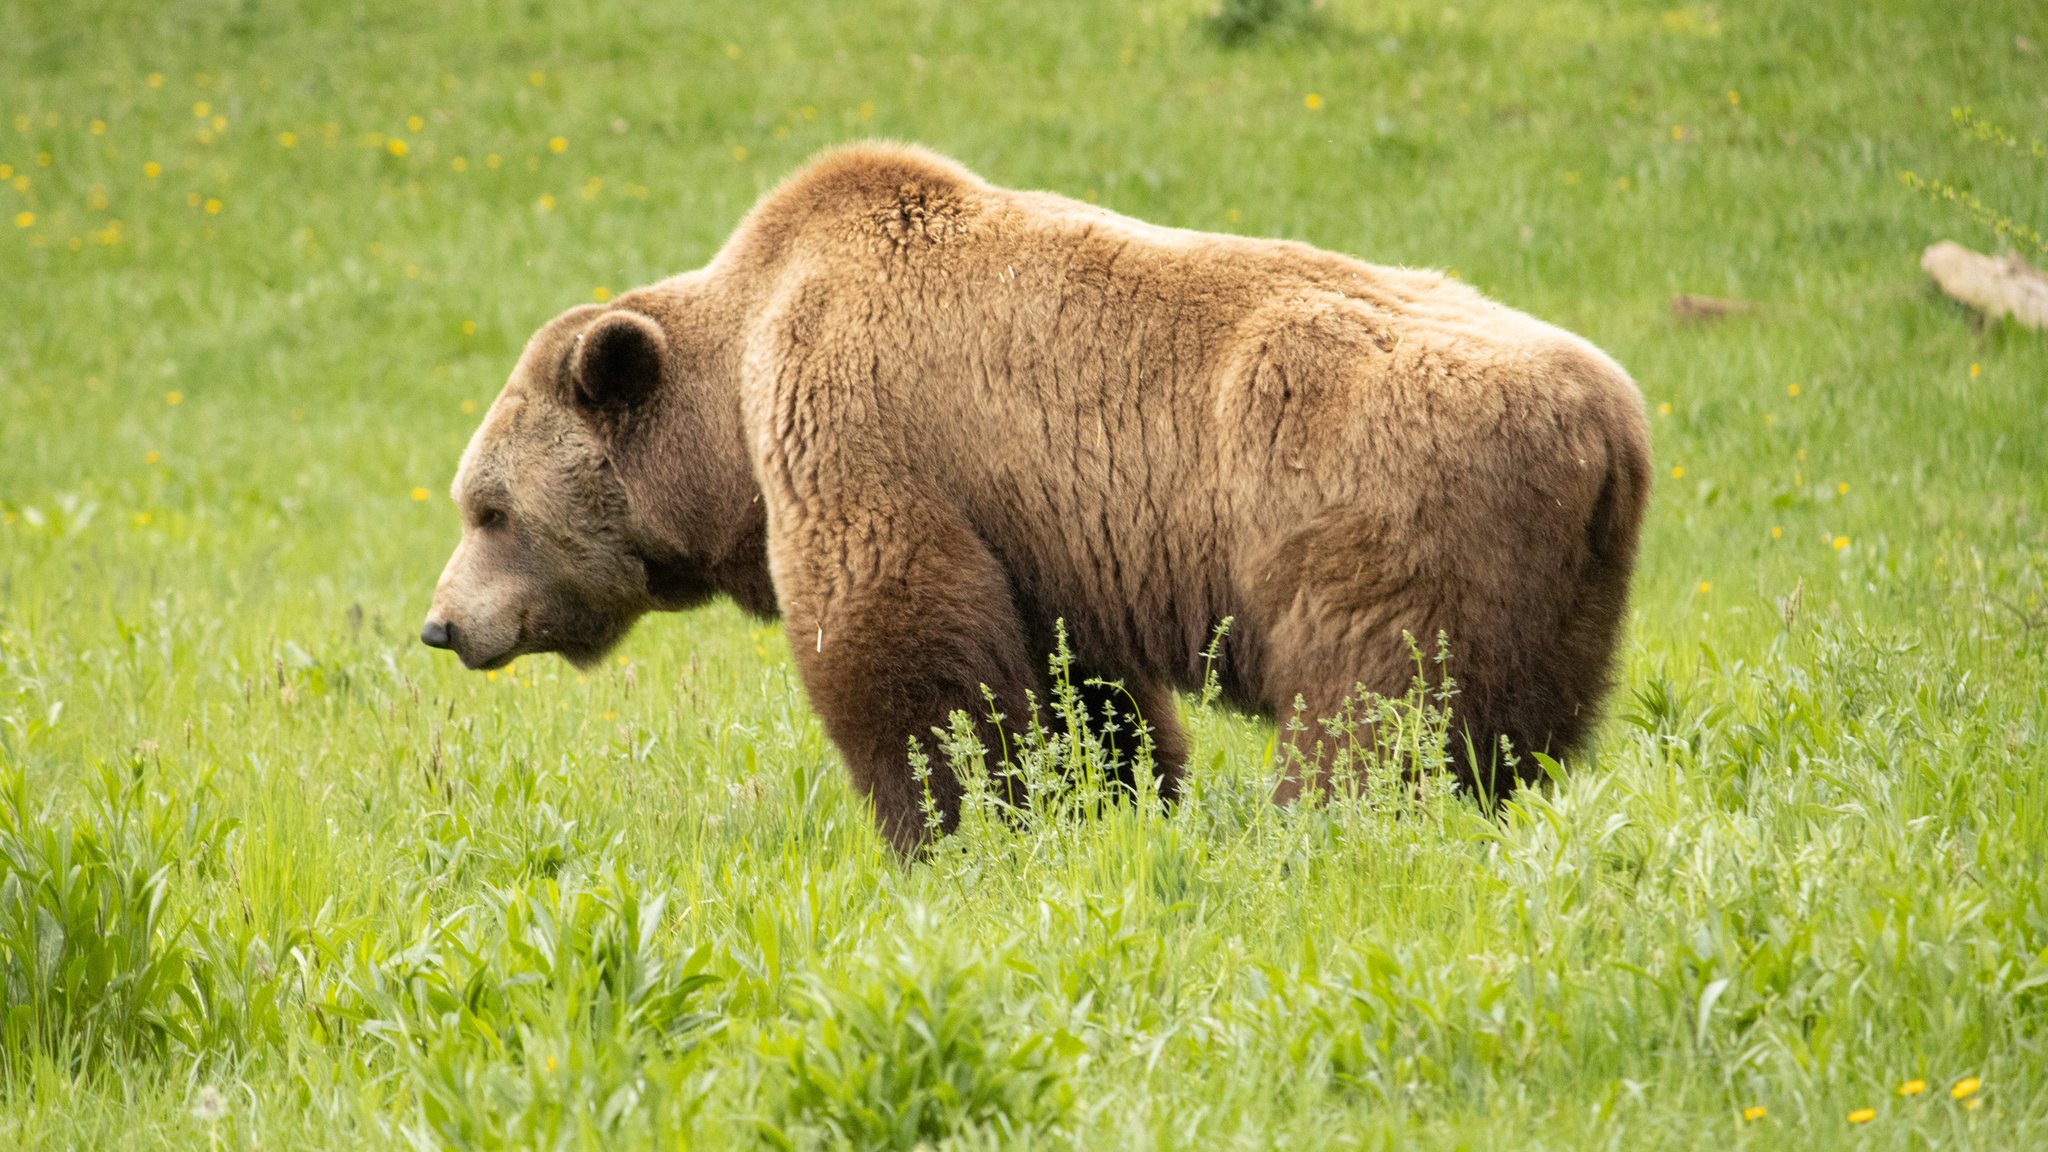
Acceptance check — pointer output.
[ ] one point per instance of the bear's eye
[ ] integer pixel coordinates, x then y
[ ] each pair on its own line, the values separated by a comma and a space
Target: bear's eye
490, 518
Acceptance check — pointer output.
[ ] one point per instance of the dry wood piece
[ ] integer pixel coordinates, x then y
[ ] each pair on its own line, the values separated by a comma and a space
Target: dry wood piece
1995, 286
1707, 307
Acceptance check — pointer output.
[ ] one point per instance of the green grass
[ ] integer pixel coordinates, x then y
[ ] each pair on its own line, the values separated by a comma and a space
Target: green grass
272, 874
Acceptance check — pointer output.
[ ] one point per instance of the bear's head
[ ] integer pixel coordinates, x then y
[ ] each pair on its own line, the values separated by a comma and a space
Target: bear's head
558, 552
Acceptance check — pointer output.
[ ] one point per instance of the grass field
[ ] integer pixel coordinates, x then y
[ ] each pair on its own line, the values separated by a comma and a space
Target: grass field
274, 876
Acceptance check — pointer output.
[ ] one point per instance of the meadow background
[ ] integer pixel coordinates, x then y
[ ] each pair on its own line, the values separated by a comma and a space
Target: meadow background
274, 876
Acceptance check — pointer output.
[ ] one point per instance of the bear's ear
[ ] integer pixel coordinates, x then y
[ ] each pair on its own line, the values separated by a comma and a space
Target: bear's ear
617, 361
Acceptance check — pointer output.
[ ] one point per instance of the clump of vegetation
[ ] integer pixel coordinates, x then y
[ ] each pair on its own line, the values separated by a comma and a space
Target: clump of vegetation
2029, 153
1067, 762
1237, 22
908, 1050
97, 962
542, 1008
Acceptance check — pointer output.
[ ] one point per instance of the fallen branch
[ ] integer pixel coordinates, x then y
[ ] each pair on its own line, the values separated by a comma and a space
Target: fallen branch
1992, 285
1707, 307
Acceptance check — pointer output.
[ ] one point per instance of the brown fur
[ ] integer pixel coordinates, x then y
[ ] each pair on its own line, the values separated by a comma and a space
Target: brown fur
924, 418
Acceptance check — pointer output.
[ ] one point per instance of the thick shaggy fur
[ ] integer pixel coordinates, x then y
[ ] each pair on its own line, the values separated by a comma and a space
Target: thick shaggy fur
924, 418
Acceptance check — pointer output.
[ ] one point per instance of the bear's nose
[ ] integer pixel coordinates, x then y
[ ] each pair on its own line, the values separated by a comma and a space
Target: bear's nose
438, 634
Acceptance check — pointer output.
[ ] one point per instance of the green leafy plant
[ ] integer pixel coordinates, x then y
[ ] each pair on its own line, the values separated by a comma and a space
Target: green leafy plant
542, 1006
94, 962
1236, 22
907, 1052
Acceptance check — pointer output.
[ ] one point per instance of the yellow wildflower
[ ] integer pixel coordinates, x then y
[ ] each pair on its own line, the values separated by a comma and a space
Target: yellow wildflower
24, 219
151, 456
420, 495
866, 111
558, 144
142, 519
1734, 97
1791, 389
1862, 1115
1678, 472
460, 164
547, 202
414, 123
1312, 101
468, 406
492, 161
152, 169
600, 293
98, 128
288, 139
397, 147
1664, 409
1706, 586
220, 123
732, 51
213, 206
1912, 1087
1677, 132
1840, 542
156, 80
469, 327
174, 398
738, 153
536, 78
1965, 1087
1842, 489
1976, 370
202, 110
1755, 1112
1777, 533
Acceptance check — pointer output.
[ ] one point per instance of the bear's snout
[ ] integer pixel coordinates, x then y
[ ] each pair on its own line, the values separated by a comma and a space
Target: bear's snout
437, 634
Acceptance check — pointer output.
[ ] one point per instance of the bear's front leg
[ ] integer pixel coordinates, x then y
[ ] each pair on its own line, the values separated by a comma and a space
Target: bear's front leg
895, 625
1128, 704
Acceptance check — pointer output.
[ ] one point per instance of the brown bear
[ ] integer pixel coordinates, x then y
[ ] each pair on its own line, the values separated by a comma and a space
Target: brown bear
924, 419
